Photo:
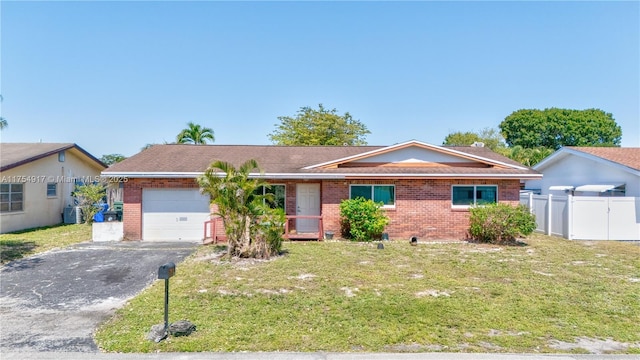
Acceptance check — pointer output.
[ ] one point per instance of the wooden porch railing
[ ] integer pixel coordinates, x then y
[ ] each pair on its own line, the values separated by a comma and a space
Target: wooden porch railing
212, 235
212, 226
305, 235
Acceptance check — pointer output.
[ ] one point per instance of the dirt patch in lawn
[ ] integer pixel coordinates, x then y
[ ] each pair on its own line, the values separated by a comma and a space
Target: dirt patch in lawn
593, 346
220, 257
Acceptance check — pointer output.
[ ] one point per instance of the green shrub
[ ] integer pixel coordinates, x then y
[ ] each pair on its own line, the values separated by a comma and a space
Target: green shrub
272, 228
500, 223
89, 197
362, 220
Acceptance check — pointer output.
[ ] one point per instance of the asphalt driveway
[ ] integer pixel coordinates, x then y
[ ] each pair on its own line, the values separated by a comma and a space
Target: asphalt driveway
55, 300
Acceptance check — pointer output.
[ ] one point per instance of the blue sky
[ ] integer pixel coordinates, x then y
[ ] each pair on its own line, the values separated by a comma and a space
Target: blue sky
114, 76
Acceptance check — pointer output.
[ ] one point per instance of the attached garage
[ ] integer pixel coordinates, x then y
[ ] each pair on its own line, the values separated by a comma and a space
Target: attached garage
173, 214
161, 199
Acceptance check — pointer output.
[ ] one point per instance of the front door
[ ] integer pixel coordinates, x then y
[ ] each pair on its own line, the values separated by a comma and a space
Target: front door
307, 203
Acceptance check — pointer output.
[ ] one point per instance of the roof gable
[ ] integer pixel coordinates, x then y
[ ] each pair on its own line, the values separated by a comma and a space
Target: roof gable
415, 154
17, 154
626, 159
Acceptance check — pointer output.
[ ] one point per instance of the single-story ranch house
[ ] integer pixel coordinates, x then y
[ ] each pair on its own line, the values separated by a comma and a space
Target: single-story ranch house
426, 189
589, 171
37, 181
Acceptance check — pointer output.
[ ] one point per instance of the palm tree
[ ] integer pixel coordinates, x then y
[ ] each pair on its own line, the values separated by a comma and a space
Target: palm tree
195, 134
242, 209
527, 156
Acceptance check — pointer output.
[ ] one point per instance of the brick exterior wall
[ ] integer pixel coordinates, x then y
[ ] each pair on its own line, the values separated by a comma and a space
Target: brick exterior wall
423, 207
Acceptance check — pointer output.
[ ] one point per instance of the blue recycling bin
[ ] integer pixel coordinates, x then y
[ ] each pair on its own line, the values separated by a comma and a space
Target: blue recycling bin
99, 216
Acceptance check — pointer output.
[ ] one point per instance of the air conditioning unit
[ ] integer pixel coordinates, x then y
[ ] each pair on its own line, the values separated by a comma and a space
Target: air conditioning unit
69, 215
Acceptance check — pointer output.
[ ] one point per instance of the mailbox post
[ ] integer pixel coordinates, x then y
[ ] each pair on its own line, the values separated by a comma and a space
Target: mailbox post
165, 272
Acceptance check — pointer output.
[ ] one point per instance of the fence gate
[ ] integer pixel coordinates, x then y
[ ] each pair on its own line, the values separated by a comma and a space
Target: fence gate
605, 218
590, 218
623, 212
586, 217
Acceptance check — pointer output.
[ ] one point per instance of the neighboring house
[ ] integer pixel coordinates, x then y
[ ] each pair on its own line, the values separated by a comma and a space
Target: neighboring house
426, 189
589, 171
37, 180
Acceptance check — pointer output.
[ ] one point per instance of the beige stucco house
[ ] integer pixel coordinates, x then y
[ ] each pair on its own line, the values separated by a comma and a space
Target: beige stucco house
36, 181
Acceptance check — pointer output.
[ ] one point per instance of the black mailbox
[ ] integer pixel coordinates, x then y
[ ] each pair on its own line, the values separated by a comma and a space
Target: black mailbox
166, 271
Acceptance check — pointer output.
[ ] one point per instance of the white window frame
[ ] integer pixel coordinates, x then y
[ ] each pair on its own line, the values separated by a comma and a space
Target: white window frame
372, 193
55, 188
10, 192
475, 192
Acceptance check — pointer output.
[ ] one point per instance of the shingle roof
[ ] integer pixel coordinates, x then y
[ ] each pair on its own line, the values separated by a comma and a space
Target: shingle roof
627, 156
178, 158
16, 154
196, 158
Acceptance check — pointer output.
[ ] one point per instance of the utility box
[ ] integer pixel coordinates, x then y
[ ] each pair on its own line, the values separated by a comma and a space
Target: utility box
166, 271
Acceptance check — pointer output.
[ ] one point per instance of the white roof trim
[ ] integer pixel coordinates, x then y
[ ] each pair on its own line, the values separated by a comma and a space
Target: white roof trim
597, 188
392, 176
561, 187
416, 142
143, 174
116, 176
548, 159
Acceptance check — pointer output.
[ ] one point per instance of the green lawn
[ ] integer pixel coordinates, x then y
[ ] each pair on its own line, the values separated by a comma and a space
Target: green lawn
16, 245
344, 297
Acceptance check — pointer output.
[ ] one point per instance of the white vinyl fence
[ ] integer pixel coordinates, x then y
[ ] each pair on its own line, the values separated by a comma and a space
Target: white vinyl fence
586, 217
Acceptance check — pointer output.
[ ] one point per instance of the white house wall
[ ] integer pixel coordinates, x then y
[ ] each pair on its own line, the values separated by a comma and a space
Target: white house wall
38, 209
576, 170
412, 154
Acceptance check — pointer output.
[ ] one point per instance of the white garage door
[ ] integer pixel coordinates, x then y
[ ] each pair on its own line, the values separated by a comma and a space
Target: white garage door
173, 214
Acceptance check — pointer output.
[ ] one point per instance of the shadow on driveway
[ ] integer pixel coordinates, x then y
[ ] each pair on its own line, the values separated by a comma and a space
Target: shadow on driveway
55, 300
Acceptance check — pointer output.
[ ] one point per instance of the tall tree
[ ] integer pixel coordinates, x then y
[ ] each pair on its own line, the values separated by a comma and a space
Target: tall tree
253, 229
195, 134
319, 127
490, 137
553, 128
110, 159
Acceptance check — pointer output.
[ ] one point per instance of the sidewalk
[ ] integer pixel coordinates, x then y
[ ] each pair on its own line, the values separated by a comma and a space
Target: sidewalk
304, 356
